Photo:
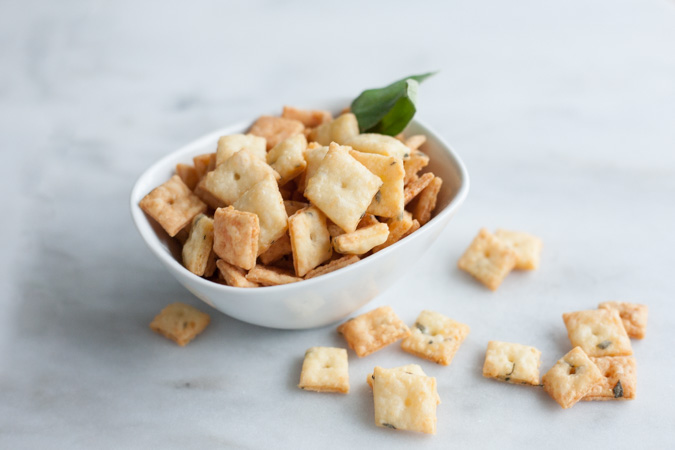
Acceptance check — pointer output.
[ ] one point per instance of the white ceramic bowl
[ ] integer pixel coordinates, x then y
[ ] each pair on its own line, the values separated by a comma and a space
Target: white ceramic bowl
321, 300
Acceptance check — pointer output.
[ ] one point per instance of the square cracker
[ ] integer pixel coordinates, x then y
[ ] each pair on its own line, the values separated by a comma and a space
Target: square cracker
404, 400
204, 163
310, 240
633, 316
309, 117
231, 144
338, 130
373, 330
599, 332
362, 240
288, 159
388, 201
313, 155
276, 129
233, 275
236, 237
571, 378
620, 379
526, 246
342, 188
235, 176
435, 337
172, 205
264, 200
325, 369
410, 369
180, 322
199, 245
488, 259
513, 363
332, 266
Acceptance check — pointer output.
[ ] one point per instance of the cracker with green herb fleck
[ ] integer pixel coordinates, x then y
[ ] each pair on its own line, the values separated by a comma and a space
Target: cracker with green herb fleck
172, 204
398, 227
526, 246
342, 188
488, 259
180, 322
236, 175
287, 158
229, 145
599, 332
199, 245
310, 240
571, 378
379, 144
270, 276
264, 200
373, 330
332, 266
426, 201
236, 236
404, 400
620, 379
275, 129
435, 337
417, 186
513, 363
233, 275
362, 240
325, 369
633, 316
388, 201
339, 130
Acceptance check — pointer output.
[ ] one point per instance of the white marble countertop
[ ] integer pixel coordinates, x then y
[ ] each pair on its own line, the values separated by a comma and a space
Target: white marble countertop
564, 113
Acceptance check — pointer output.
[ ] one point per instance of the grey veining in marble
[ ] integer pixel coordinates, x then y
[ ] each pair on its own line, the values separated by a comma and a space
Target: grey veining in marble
564, 113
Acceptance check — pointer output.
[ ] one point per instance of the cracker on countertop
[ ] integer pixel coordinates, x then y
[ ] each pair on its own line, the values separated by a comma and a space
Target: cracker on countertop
526, 246
513, 363
435, 337
373, 330
571, 378
404, 400
180, 322
599, 332
488, 259
325, 369
620, 379
633, 316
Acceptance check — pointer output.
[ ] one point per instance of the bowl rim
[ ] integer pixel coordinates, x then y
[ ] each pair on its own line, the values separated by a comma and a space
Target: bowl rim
152, 240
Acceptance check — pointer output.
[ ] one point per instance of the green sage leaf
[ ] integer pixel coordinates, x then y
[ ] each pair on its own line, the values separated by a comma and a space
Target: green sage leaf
388, 110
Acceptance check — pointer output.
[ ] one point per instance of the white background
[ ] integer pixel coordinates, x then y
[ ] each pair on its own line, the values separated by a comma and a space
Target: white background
564, 113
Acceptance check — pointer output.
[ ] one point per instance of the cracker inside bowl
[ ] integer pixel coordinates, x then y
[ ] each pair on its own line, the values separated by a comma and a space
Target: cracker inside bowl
318, 300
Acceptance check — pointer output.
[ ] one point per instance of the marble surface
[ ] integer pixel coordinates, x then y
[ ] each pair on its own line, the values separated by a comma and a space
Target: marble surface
564, 113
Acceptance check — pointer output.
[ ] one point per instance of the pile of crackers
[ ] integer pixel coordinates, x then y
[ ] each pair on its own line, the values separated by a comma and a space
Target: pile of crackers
599, 367
299, 196
405, 398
